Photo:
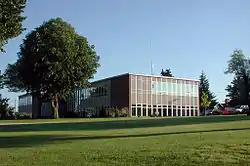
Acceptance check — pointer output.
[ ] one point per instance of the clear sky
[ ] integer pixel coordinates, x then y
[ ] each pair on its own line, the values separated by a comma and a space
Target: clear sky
187, 36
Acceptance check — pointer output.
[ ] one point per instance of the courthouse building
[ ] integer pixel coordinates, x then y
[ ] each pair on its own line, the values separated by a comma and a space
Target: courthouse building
143, 95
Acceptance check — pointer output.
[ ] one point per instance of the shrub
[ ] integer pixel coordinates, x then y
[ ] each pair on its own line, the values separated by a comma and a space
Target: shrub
115, 112
110, 112
124, 112
6, 111
22, 115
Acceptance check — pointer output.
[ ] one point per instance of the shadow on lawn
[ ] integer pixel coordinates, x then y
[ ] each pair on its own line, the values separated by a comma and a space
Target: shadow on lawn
120, 124
34, 140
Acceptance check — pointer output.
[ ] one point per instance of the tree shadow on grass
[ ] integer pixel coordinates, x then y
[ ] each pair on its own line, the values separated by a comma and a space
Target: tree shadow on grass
36, 140
120, 124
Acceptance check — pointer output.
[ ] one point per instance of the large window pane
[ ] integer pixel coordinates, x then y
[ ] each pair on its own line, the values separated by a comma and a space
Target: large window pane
183, 89
164, 87
169, 88
133, 111
178, 89
174, 88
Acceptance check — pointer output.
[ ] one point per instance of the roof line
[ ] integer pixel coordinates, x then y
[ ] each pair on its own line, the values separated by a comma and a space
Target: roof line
108, 78
177, 78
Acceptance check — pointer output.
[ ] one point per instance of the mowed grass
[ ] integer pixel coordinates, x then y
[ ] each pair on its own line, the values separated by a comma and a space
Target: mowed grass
216, 140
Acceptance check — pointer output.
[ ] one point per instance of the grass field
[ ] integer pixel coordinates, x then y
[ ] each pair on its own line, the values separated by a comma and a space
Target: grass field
216, 140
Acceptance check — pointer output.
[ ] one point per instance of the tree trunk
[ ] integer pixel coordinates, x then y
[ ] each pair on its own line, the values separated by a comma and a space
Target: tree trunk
55, 107
36, 106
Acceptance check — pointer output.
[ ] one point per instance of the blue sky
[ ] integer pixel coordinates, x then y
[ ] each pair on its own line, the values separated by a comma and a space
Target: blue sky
185, 36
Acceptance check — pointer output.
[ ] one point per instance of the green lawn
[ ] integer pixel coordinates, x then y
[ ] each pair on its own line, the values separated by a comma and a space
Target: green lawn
216, 140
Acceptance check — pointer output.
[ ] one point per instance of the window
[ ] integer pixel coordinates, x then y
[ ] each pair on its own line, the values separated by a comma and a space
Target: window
174, 112
174, 88
159, 87
179, 111
159, 111
164, 87
183, 112
188, 113
133, 111
144, 111
169, 88
192, 90
196, 112
196, 91
139, 112
169, 111
149, 111
178, 89
154, 111
153, 88
192, 112
164, 112
189, 90
183, 89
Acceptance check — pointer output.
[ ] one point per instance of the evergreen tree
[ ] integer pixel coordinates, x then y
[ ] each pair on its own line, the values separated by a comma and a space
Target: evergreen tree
235, 91
204, 88
239, 65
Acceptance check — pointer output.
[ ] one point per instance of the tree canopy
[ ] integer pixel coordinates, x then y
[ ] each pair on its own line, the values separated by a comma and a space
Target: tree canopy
166, 73
11, 20
235, 90
205, 88
239, 65
53, 61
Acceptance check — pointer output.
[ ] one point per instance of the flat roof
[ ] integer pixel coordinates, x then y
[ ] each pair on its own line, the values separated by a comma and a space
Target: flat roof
147, 75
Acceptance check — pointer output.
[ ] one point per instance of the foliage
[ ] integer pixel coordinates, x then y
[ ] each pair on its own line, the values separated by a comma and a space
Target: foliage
239, 65
205, 102
235, 91
115, 112
205, 88
11, 79
11, 20
22, 115
6, 111
1, 80
53, 61
166, 73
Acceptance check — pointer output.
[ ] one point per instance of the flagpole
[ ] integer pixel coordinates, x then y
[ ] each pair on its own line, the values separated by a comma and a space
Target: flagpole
151, 67
151, 63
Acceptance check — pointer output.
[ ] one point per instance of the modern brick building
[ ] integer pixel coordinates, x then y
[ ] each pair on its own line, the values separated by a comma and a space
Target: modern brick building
143, 95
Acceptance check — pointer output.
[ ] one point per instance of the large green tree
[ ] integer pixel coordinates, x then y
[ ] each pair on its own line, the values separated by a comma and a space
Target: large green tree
53, 61
239, 65
166, 73
205, 88
235, 91
10, 20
